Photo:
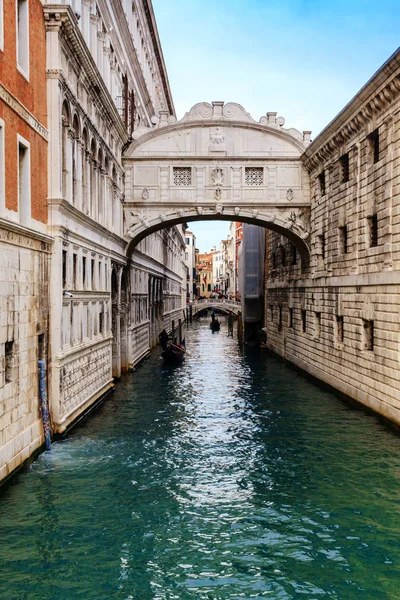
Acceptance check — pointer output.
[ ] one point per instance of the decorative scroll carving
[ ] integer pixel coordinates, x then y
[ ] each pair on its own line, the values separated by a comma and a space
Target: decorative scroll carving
289, 194
145, 194
217, 176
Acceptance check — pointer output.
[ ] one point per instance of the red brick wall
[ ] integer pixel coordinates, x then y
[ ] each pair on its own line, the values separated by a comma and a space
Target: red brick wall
32, 94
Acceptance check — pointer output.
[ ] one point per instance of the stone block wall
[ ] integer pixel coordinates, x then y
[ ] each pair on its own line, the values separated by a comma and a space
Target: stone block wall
340, 322
23, 340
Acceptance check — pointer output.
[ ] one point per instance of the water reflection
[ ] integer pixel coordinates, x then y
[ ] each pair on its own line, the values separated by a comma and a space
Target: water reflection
229, 477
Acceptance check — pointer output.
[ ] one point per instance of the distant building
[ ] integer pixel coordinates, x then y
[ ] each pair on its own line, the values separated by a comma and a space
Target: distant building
205, 273
190, 264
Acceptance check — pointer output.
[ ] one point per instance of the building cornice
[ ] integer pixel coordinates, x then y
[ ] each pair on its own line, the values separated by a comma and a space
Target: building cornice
368, 104
61, 17
23, 112
11, 226
151, 22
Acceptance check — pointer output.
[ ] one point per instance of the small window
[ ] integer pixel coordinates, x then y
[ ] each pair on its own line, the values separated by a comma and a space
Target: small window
273, 260
339, 329
322, 185
24, 182
373, 140
186, 256
101, 320
291, 318
84, 272
280, 318
303, 321
2, 152
187, 241
345, 167
182, 176
64, 268
271, 312
343, 239
93, 273
321, 246
1, 25
317, 324
23, 37
74, 271
254, 175
368, 329
373, 230
9, 362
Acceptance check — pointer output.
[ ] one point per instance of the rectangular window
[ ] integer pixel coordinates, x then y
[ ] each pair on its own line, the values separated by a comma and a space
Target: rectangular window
343, 239
23, 37
41, 347
271, 312
9, 362
186, 256
93, 273
24, 181
2, 156
74, 271
368, 329
101, 319
317, 331
182, 176
273, 260
321, 246
280, 318
373, 230
291, 318
373, 140
254, 175
1, 25
84, 272
303, 321
64, 268
322, 185
345, 167
339, 329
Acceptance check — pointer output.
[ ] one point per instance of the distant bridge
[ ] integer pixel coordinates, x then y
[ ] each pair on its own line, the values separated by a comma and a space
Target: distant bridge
227, 306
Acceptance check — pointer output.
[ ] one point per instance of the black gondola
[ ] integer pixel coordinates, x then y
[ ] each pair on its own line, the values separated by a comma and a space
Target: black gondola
172, 354
215, 324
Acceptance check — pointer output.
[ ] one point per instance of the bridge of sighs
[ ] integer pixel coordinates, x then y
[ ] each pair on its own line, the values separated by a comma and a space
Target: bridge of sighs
218, 163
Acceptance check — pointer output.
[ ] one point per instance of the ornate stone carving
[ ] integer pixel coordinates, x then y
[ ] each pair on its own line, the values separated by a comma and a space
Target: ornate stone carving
145, 194
218, 193
181, 212
199, 210
143, 218
217, 140
236, 210
219, 209
254, 214
162, 217
289, 194
217, 176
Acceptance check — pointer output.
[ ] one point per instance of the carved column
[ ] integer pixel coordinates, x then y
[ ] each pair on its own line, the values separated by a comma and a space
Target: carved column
68, 158
86, 21
93, 35
100, 52
79, 149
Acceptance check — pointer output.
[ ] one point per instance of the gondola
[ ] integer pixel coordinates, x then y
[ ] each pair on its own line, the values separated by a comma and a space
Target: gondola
215, 324
172, 354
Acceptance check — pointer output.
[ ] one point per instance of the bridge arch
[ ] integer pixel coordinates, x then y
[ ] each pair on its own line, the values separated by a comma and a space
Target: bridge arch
217, 163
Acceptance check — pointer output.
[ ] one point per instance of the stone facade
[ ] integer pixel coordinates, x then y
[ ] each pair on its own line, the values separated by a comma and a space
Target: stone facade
340, 322
64, 241
24, 243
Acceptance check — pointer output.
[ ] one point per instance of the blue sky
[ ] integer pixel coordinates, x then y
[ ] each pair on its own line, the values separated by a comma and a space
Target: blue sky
304, 59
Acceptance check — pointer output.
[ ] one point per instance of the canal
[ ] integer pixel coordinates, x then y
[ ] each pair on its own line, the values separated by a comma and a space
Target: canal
229, 477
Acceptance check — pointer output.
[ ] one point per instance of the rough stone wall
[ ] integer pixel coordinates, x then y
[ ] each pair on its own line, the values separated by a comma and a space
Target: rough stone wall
341, 321
24, 279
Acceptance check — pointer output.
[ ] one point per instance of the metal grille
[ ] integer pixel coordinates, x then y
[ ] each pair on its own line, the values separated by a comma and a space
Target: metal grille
182, 176
254, 175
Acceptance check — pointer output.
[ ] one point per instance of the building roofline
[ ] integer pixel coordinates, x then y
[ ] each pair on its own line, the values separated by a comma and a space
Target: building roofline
379, 90
151, 21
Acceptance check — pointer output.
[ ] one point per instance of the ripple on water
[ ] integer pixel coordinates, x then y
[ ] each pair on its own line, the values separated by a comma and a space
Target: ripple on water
230, 477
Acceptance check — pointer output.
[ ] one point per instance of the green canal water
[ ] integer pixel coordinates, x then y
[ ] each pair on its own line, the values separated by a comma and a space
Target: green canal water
229, 477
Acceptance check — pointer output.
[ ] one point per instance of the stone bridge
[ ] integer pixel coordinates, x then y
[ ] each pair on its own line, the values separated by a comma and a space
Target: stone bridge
218, 163
227, 306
